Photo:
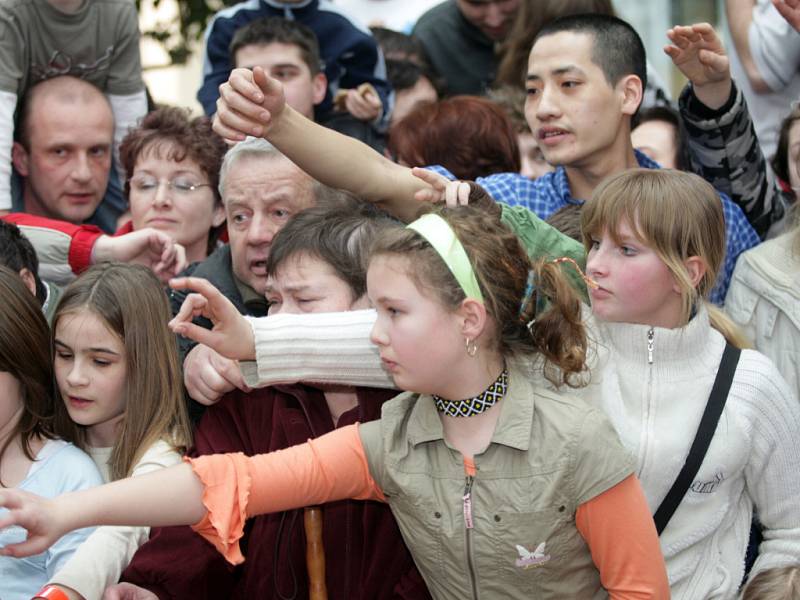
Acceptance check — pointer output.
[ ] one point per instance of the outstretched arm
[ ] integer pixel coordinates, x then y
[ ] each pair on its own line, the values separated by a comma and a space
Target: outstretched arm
146, 500
217, 493
252, 103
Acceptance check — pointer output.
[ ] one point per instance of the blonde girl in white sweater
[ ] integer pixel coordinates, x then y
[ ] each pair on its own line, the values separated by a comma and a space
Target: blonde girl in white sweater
655, 241
117, 371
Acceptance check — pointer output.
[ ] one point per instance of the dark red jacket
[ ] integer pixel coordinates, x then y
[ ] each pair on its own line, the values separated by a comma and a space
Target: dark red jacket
365, 556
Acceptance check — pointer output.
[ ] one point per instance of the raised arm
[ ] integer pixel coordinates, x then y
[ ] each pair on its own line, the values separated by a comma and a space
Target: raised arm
251, 103
723, 147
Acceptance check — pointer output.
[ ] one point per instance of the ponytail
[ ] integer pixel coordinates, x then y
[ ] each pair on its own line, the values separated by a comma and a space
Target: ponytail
551, 313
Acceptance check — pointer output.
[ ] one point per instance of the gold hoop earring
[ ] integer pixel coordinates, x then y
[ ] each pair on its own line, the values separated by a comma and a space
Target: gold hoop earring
470, 346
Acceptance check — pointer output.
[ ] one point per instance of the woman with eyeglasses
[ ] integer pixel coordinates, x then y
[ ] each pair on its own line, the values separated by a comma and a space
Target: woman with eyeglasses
172, 162
173, 166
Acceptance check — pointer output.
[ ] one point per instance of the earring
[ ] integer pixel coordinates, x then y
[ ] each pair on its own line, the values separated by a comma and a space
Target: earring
470, 346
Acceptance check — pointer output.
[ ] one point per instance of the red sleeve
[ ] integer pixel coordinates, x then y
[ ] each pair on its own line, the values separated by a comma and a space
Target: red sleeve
82, 237
619, 529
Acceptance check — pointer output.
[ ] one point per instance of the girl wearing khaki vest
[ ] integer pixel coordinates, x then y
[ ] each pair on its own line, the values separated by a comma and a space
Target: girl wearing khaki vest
501, 487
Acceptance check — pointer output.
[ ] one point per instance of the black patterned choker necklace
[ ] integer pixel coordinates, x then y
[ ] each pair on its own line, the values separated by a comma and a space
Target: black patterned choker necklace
477, 404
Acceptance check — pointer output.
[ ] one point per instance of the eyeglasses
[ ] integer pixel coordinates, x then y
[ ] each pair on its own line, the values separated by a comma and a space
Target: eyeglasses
179, 186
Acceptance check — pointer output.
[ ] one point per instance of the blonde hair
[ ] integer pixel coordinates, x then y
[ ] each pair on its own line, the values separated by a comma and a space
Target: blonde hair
502, 269
130, 301
779, 583
678, 215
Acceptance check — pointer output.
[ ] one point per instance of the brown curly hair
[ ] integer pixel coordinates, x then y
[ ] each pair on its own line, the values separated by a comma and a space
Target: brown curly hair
502, 268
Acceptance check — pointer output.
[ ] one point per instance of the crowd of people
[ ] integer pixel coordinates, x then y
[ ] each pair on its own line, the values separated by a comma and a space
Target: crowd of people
475, 312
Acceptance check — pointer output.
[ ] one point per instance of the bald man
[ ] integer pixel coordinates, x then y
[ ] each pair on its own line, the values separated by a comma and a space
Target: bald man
63, 150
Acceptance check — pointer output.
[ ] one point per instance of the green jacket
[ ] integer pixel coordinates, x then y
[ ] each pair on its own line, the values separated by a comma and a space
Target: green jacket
542, 240
549, 454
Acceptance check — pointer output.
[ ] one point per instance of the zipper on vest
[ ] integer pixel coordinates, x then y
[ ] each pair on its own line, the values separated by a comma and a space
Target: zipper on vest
651, 334
467, 498
469, 524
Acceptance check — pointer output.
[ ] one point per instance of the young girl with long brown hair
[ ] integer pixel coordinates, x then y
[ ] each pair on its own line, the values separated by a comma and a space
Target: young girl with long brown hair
501, 487
117, 372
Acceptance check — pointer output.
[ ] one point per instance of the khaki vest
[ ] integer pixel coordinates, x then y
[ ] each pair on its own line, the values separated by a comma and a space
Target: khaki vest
549, 454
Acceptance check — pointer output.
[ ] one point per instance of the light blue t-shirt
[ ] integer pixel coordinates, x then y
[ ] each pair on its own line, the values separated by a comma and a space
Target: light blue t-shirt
60, 467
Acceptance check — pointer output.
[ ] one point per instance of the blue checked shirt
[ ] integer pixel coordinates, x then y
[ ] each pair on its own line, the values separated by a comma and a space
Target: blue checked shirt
550, 192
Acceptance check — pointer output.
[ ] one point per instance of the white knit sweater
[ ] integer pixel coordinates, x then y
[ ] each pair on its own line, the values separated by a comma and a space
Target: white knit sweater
753, 460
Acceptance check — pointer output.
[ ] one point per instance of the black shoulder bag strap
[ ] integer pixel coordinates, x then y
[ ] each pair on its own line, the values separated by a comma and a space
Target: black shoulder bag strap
708, 425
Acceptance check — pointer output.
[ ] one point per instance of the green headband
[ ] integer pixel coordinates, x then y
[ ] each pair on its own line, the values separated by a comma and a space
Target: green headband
443, 239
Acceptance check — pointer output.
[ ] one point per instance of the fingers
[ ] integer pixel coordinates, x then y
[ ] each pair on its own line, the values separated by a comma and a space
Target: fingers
200, 392
231, 124
680, 36
456, 193
195, 305
231, 372
364, 107
217, 308
201, 375
432, 178
673, 52
244, 82
704, 29
31, 546
716, 62
231, 135
248, 102
267, 86
179, 261
438, 183
196, 333
240, 111
171, 261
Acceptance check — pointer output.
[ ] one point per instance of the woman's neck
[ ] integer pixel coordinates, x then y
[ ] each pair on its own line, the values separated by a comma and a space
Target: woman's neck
198, 251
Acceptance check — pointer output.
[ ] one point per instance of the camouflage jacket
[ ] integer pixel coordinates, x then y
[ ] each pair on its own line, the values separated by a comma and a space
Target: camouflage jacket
724, 150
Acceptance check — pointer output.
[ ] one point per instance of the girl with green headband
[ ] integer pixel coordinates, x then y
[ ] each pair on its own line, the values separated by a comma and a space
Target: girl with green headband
502, 487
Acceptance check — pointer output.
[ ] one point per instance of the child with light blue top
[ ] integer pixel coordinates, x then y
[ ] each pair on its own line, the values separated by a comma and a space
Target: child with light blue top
32, 457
